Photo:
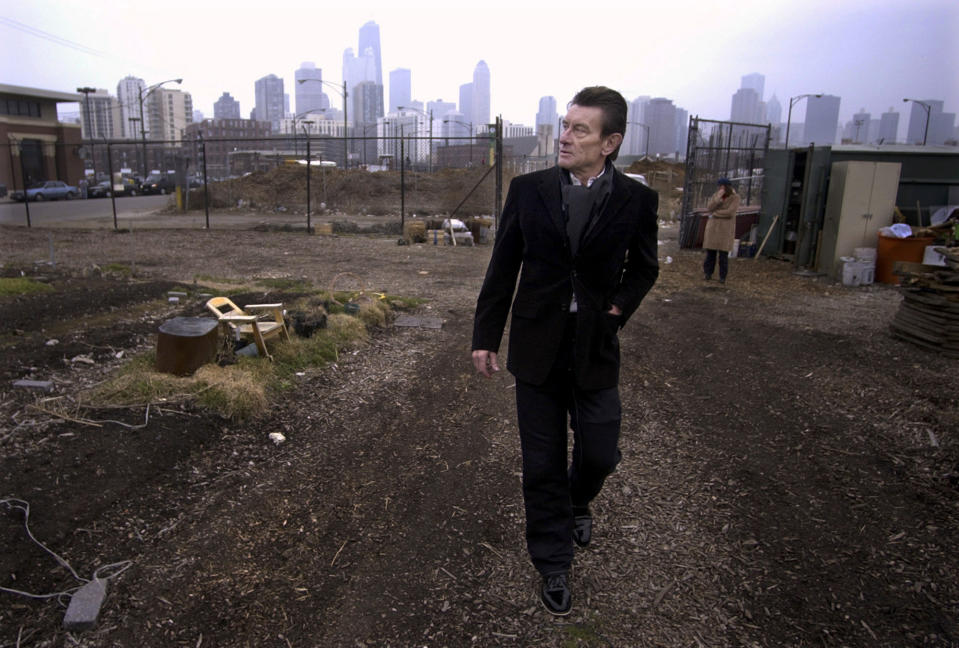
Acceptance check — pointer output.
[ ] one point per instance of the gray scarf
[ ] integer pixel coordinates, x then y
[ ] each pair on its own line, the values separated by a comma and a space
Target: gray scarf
581, 204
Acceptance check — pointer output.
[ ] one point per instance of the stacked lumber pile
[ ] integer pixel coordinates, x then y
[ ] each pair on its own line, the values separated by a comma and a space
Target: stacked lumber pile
929, 313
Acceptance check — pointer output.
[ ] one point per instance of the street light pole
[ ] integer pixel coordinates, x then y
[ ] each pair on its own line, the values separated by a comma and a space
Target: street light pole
346, 123
143, 133
928, 108
469, 125
792, 102
306, 124
86, 90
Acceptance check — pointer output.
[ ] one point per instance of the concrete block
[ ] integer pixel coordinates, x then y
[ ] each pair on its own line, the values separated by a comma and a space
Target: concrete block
85, 605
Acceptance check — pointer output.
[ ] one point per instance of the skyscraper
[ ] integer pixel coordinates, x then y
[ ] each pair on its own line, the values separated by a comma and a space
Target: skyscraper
167, 112
636, 127
941, 127
481, 94
746, 107
889, 127
128, 90
822, 120
859, 127
547, 115
401, 88
774, 111
440, 108
270, 102
103, 119
308, 81
226, 107
661, 117
466, 104
370, 40
754, 81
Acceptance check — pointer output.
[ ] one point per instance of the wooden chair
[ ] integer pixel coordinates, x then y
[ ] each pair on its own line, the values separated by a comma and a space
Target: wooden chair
253, 321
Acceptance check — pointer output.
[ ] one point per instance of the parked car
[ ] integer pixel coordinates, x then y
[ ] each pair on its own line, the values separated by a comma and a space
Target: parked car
48, 190
99, 190
158, 184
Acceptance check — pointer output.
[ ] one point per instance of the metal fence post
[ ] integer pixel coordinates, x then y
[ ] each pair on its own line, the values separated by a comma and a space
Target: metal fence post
23, 181
206, 184
308, 173
113, 192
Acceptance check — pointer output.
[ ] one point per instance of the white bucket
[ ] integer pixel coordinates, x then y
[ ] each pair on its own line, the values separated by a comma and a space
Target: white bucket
867, 274
852, 273
867, 254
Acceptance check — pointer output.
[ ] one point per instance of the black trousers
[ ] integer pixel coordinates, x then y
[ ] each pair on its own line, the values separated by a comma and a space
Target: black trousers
710, 264
551, 487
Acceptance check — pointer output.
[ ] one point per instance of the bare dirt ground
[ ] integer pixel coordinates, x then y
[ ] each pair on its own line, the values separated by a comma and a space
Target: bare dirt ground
789, 473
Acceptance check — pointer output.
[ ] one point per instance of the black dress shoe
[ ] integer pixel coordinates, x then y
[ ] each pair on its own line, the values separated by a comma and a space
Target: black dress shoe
582, 529
556, 595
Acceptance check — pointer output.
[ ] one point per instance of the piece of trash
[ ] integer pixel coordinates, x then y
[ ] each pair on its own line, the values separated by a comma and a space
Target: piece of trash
174, 300
300, 373
118, 355
82, 358
42, 385
277, 438
53, 342
423, 272
669, 259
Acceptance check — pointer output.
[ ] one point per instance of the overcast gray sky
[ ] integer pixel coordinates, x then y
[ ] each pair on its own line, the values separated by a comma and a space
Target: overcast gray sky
871, 53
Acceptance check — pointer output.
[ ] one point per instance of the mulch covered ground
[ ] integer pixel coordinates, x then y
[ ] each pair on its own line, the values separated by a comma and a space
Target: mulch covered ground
789, 474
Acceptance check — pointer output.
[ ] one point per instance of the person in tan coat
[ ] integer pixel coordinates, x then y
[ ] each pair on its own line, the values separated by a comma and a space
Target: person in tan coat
720, 230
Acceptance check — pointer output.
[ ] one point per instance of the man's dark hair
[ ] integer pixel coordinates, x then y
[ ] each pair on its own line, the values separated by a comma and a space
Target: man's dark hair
613, 106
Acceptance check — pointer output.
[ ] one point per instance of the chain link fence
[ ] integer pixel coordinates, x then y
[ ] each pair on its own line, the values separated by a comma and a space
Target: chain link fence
298, 176
717, 149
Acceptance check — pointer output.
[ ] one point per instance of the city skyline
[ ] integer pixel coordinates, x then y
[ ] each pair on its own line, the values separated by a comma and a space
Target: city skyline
848, 51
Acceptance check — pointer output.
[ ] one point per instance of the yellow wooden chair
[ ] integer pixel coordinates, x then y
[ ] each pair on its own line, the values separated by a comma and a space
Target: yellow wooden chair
253, 321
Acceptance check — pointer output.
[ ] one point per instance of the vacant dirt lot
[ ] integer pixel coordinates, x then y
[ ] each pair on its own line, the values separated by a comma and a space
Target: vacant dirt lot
789, 478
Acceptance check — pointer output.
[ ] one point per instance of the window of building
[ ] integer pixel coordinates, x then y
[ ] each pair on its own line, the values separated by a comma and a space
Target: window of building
20, 108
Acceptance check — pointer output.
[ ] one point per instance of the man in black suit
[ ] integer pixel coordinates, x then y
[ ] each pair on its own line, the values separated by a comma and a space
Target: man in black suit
582, 238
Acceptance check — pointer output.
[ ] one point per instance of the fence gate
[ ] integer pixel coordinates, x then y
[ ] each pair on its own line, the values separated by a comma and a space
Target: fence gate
717, 149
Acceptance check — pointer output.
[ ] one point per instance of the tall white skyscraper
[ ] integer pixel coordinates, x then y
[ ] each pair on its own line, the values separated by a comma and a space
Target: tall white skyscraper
128, 90
481, 95
401, 88
308, 80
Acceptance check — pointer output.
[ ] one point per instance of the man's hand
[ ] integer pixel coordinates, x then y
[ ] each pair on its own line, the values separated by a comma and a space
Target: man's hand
485, 362
615, 310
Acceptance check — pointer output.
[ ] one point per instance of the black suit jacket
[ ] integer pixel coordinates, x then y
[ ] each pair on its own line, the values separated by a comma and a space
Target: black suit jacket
615, 264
